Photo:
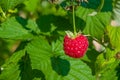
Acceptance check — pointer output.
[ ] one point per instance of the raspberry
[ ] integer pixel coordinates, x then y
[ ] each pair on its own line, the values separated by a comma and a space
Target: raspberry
75, 47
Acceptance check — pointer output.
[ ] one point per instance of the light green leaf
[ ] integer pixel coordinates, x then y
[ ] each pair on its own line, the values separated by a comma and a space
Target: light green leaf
106, 65
100, 63
40, 53
34, 4
12, 29
9, 4
95, 22
110, 54
109, 71
57, 47
33, 27
114, 35
79, 70
116, 12
109, 75
10, 70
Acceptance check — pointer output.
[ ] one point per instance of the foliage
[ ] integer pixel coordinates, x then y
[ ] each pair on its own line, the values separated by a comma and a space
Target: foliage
31, 40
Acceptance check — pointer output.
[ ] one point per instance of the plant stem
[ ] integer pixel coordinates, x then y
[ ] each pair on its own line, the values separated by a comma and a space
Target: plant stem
101, 5
3, 14
74, 27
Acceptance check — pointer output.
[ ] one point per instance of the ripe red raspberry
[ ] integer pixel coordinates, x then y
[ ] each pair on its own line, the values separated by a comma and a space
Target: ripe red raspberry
75, 47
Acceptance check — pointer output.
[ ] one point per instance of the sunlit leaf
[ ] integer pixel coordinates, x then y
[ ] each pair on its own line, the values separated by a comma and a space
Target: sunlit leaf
9, 4
116, 12
34, 4
11, 67
43, 57
95, 22
114, 35
12, 29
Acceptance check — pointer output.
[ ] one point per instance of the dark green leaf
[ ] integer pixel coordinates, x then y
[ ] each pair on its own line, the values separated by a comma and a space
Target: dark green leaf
61, 66
93, 4
50, 23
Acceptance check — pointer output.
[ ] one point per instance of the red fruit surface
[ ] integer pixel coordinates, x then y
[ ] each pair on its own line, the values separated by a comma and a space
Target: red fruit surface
75, 47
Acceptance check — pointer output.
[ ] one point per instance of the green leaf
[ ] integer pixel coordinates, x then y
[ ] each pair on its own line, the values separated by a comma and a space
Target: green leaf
116, 12
61, 66
33, 27
43, 57
109, 75
40, 53
12, 29
50, 23
95, 22
109, 72
106, 65
100, 63
57, 47
90, 58
28, 4
93, 4
114, 35
38, 62
19, 67
9, 4
110, 54
78, 70
118, 71
10, 70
